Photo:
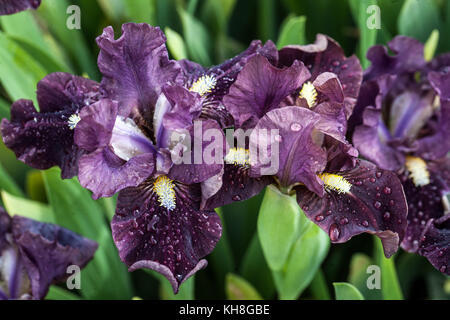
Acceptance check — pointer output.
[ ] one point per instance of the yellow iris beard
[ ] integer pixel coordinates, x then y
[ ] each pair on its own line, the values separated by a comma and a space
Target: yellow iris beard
335, 182
164, 188
237, 156
309, 93
205, 84
418, 171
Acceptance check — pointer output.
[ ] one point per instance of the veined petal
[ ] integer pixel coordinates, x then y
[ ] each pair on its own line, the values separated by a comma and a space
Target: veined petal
135, 67
260, 87
171, 242
300, 138
195, 163
363, 199
45, 139
325, 55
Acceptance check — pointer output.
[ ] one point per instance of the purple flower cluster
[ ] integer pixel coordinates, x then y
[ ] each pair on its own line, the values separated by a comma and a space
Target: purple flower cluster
117, 137
402, 123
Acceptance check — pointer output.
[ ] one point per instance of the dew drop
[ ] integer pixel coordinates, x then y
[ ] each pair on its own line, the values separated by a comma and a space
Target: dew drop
296, 126
377, 204
319, 218
443, 269
365, 223
378, 174
343, 221
236, 198
373, 180
387, 215
334, 232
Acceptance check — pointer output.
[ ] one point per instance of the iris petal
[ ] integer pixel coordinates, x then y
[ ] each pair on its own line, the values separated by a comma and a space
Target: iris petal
47, 250
13, 6
172, 243
375, 204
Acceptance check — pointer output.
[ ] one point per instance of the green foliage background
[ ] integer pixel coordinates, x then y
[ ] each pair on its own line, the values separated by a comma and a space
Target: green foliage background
33, 44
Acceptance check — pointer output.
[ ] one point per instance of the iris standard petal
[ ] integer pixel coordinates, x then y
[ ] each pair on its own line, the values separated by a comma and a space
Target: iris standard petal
408, 57
325, 55
136, 66
260, 87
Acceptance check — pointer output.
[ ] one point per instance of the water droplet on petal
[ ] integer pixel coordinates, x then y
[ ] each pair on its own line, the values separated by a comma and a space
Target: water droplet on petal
319, 218
377, 204
387, 215
296, 126
334, 232
365, 223
387, 190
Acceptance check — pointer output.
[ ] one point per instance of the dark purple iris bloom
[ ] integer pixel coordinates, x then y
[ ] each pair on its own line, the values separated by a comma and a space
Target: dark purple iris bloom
317, 76
33, 255
14, 6
341, 194
402, 122
128, 140
44, 138
213, 83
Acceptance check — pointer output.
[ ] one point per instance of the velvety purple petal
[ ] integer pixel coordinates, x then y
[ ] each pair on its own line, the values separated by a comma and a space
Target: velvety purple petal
408, 57
236, 185
47, 250
104, 173
224, 75
204, 154
173, 242
301, 133
58, 91
185, 107
96, 124
371, 139
45, 139
14, 6
375, 204
328, 84
260, 87
435, 243
325, 55
424, 203
41, 140
136, 66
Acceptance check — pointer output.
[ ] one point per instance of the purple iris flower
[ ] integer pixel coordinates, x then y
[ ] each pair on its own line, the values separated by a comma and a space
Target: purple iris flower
33, 255
129, 148
402, 123
306, 96
343, 195
14, 6
318, 77
44, 138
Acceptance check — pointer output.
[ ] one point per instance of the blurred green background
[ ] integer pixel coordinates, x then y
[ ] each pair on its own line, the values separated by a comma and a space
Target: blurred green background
33, 44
